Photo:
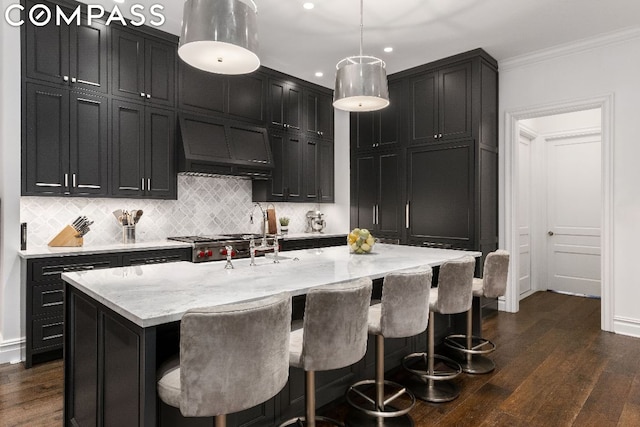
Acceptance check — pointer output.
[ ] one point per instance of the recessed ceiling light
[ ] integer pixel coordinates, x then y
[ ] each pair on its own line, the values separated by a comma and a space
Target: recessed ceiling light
308, 5
319, 74
388, 49
119, 1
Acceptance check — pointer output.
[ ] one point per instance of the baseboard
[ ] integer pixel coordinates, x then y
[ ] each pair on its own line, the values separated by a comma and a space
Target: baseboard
11, 350
626, 326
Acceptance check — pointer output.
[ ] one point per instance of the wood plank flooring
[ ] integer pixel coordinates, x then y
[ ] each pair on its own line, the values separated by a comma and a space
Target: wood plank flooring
554, 368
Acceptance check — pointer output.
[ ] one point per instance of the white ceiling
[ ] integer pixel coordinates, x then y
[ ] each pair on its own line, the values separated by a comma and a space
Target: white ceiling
301, 42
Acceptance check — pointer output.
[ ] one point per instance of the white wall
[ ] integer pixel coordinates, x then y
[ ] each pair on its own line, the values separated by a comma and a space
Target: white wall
10, 336
595, 69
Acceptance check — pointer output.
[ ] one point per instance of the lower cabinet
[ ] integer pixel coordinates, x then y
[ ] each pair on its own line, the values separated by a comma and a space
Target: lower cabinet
45, 293
313, 241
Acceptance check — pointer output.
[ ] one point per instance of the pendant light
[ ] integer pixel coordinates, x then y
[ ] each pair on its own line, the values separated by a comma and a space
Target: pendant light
361, 81
220, 36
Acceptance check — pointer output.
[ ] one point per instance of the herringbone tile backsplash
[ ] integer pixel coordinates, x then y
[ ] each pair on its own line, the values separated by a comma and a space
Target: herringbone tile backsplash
205, 205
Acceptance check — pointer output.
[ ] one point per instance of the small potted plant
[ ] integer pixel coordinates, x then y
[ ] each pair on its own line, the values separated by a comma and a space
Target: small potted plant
284, 224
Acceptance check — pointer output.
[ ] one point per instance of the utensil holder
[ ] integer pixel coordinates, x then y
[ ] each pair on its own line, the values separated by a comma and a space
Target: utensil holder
128, 234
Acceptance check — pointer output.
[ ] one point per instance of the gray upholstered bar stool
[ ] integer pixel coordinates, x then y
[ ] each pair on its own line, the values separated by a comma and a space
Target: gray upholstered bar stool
453, 295
401, 313
492, 285
333, 336
232, 357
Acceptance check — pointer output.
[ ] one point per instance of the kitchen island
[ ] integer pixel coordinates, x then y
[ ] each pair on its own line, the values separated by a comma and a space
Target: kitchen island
122, 323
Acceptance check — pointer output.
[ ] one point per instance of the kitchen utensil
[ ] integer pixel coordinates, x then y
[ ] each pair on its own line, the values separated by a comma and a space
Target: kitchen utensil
118, 214
139, 213
315, 223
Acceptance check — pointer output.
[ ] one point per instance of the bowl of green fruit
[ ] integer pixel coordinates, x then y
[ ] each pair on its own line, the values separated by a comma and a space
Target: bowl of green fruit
360, 241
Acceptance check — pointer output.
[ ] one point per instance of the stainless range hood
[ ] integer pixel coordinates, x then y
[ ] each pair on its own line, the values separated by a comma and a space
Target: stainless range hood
224, 147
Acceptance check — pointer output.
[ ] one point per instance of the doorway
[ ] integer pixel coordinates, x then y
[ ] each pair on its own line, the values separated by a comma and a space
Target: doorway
521, 241
559, 203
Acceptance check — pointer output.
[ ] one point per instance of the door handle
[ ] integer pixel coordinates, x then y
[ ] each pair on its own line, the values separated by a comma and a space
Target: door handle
550, 233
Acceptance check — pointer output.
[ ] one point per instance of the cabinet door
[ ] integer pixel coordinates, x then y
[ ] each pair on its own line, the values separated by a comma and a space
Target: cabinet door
45, 154
277, 181
423, 111
293, 167
325, 171
47, 50
390, 206
160, 72
88, 56
390, 117
88, 143
247, 96
310, 171
127, 64
200, 91
455, 102
159, 157
363, 135
318, 113
364, 192
440, 194
127, 148
285, 105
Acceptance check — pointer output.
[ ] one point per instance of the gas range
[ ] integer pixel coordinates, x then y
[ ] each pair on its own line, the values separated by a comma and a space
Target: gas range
213, 248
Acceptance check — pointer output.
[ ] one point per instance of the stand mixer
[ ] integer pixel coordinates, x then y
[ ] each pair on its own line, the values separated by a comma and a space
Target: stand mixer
315, 223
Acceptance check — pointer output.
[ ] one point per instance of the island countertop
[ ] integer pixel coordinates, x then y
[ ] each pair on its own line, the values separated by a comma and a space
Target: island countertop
151, 295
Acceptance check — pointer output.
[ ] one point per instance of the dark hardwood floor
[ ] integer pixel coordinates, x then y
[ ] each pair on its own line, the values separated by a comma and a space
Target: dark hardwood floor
554, 368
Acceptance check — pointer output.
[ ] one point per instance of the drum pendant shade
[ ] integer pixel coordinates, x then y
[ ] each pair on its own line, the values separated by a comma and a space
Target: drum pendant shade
220, 36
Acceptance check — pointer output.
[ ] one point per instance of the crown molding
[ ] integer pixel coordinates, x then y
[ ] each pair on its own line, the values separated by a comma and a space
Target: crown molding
570, 48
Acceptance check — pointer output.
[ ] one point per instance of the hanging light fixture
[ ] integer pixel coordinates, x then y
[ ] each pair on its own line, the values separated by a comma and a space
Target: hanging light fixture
220, 36
361, 81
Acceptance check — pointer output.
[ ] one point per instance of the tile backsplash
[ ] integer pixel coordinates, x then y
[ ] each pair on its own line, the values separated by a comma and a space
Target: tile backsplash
205, 205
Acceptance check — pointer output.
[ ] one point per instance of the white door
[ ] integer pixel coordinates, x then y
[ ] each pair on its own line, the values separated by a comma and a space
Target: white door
574, 210
524, 214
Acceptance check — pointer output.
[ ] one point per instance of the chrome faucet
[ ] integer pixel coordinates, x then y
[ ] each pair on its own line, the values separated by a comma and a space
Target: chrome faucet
275, 246
264, 222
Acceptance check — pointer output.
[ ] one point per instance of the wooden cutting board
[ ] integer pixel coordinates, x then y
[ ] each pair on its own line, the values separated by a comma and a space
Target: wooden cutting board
271, 220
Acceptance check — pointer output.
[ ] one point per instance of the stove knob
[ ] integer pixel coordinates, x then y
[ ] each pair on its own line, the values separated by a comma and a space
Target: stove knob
200, 254
223, 251
209, 252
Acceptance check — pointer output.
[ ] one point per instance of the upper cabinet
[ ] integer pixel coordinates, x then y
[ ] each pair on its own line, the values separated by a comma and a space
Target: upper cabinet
285, 105
239, 97
318, 114
440, 105
379, 129
69, 55
143, 68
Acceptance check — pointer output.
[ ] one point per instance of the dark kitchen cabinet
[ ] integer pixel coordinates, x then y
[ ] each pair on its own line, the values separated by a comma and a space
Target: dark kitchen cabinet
240, 97
318, 114
143, 68
143, 151
380, 129
66, 142
45, 293
377, 201
286, 179
285, 105
74, 56
318, 171
440, 104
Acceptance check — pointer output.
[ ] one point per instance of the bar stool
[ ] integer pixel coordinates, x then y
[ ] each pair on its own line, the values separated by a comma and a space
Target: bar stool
400, 314
453, 295
232, 357
333, 336
492, 285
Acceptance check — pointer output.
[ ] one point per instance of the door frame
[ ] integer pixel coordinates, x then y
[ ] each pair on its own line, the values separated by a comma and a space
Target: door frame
509, 187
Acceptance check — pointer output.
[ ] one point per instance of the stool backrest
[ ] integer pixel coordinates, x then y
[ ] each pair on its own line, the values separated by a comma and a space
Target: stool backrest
494, 275
335, 325
455, 282
405, 298
235, 356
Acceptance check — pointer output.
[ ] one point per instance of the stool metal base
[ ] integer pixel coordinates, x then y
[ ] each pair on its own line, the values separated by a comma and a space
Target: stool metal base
369, 406
359, 419
302, 422
476, 364
434, 391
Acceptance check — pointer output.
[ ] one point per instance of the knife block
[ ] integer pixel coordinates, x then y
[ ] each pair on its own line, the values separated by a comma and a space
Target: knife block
67, 237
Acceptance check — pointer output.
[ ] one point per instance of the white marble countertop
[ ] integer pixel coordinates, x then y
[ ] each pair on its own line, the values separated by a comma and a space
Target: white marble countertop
151, 295
47, 251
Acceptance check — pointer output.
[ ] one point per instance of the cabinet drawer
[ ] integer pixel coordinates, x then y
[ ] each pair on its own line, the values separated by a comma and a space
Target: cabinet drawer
50, 269
156, 257
47, 299
47, 333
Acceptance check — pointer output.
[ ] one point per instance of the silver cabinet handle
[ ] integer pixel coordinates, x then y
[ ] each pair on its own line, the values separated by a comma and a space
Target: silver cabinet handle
373, 213
142, 94
66, 179
73, 80
65, 78
406, 214
378, 214
73, 180
439, 135
148, 96
142, 184
148, 184
435, 136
